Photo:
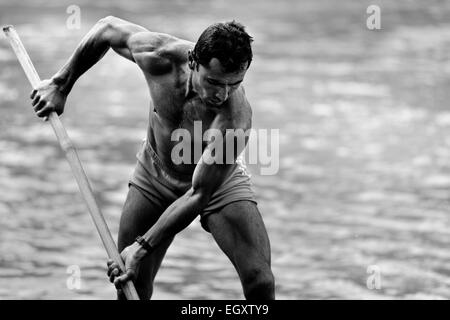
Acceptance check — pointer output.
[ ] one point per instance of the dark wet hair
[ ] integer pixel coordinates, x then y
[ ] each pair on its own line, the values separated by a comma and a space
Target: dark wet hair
228, 42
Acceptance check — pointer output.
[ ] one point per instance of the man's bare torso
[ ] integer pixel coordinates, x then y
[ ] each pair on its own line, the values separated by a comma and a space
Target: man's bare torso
175, 105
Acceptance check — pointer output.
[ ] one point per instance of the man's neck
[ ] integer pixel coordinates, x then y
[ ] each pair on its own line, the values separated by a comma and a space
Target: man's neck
190, 92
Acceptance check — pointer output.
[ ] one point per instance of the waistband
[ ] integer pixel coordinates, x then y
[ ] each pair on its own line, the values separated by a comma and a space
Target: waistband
179, 176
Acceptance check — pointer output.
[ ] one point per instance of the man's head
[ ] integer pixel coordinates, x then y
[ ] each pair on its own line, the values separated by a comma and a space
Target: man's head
220, 60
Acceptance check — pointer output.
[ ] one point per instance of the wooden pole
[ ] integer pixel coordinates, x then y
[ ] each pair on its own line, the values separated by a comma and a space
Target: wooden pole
74, 161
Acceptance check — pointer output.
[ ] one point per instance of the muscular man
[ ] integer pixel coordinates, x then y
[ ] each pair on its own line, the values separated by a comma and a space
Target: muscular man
188, 82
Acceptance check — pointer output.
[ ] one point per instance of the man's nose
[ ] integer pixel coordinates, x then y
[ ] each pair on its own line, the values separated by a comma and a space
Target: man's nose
222, 94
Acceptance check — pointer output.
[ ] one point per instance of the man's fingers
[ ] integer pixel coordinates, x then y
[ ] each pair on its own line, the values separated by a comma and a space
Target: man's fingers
35, 100
113, 275
42, 112
111, 268
118, 281
129, 275
39, 105
33, 93
45, 111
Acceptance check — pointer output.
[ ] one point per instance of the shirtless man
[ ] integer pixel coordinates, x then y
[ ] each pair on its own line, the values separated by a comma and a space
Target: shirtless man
188, 82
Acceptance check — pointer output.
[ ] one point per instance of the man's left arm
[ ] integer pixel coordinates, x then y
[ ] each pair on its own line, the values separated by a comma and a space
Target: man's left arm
207, 177
210, 172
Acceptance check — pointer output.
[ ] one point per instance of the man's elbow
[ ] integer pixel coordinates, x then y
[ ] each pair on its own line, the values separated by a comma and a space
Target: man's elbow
108, 26
103, 27
201, 195
107, 21
109, 30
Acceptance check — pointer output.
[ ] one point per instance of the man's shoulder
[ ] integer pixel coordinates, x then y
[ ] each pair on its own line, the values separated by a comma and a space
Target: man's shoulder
177, 50
148, 45
240, 111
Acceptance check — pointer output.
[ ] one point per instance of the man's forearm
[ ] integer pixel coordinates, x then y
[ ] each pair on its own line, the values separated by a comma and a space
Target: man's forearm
176, 217
91, 49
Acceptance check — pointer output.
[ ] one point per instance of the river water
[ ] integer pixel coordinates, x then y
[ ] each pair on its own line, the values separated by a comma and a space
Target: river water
359, 208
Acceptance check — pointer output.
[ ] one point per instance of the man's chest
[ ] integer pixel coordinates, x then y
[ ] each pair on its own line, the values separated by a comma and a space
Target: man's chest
183, 119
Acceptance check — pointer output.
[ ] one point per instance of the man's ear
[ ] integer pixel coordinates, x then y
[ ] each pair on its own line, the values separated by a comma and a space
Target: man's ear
192, 62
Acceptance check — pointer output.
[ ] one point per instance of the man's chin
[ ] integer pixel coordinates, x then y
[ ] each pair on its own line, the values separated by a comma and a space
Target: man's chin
213, 104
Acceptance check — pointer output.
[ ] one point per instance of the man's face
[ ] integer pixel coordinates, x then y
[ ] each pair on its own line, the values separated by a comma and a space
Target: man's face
215, 86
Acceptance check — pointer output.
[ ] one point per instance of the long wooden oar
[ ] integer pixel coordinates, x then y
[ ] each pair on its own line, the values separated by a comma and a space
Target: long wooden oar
74, 161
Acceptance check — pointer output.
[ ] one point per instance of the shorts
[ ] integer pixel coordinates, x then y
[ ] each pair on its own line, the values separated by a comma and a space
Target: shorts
162, 186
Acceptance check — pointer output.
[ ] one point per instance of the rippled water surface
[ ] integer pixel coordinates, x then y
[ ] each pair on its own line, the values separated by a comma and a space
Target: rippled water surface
364, 150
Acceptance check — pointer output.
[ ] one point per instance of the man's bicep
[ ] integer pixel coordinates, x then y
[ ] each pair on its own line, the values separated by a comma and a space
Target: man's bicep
218, 159
118, 32
133, 41
208, 177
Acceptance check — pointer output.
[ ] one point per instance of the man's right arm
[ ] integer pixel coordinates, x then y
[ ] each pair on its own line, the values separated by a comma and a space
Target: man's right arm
110, 32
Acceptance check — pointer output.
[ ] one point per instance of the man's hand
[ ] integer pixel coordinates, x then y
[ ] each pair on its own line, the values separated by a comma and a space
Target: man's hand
131, 255
47, 97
